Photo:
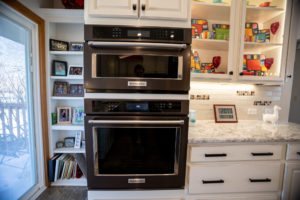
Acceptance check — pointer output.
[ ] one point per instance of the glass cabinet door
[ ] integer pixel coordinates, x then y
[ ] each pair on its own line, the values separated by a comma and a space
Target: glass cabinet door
213, 36
262, 39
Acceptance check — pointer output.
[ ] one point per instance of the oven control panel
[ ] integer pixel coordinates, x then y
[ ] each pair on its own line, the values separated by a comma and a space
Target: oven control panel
136, 106
139, 33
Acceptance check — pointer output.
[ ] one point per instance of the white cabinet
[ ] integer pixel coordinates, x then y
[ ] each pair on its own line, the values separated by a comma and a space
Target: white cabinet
292, 181
166, 13
236, 152
235, 177
166, 9
235, 168
113, 8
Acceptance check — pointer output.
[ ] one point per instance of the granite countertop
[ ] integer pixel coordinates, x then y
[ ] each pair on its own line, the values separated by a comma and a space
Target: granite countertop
244, 131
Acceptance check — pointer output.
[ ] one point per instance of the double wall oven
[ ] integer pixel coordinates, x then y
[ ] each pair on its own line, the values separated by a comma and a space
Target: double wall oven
136, 105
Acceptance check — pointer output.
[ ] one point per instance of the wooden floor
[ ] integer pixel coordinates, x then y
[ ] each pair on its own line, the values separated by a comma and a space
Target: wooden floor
64, 193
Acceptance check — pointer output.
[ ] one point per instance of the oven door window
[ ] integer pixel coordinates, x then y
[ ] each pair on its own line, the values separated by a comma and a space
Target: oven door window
136, 151
137, 66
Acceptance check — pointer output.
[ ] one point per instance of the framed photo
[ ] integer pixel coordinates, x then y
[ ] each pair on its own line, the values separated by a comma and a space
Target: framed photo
60, 68
64, 115
77, 140
60, 88
58, 45
69, 141
76, 46
225, 113
75, 70
78, 115
76, 90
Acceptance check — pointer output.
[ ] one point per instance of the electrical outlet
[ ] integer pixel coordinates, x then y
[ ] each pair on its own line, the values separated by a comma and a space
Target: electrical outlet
269, 110
252, 111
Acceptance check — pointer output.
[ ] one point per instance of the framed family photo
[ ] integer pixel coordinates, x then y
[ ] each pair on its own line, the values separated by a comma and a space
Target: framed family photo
58, 45
75, 70
64, 115
60, 68
60, 88
76, 90
76, 46
225, 113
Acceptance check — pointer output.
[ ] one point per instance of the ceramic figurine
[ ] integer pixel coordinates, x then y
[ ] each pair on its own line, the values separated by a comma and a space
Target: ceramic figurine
272, 118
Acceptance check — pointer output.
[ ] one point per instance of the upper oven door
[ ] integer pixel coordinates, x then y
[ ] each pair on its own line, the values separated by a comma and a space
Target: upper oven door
137, 66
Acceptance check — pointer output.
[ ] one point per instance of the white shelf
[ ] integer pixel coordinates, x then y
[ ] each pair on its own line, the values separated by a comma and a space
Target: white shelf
262, 14
261, 78
67, 77
70, 182
209, 76
62, 15
68, 127
261, 46
69, 150
69, 53
210, 44
66, 98
211, 11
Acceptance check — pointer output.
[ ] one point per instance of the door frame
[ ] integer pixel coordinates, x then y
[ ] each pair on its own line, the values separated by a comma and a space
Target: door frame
39, 91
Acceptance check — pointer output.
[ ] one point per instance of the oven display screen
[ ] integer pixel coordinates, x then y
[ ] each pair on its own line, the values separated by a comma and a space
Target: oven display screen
137, 34
137, 106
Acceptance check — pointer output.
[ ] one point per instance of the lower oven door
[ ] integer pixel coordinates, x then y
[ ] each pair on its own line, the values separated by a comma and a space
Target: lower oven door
136, 152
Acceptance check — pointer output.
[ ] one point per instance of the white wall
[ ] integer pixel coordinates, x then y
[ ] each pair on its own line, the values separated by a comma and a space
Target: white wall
227, 94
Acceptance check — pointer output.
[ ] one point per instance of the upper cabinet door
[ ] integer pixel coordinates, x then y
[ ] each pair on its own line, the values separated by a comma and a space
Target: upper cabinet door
164, 9
113, 8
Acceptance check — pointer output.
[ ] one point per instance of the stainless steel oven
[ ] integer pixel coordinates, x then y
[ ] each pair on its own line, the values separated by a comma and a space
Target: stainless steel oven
135, 59
132, 144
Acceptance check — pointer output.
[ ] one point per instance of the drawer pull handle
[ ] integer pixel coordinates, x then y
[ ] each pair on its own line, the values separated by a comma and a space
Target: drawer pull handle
298, 153
262, 154
259, 180
216, 155
212, 181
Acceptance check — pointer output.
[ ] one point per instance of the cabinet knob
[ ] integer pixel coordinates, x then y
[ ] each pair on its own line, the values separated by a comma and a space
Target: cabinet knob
298, 153
231, 73
134, 6
143, 7
289, 76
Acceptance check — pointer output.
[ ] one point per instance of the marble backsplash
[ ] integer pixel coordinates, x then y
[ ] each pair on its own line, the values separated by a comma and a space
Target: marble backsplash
260, 98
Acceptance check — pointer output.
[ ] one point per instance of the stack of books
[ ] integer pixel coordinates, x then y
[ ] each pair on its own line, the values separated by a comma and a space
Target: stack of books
63, 166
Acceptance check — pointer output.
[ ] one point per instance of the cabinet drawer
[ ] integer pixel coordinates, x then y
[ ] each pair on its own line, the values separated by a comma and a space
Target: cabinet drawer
234, 177
293, 152
238, 152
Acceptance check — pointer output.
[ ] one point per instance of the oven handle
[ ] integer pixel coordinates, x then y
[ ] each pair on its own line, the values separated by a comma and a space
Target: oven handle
136, 122
136, 44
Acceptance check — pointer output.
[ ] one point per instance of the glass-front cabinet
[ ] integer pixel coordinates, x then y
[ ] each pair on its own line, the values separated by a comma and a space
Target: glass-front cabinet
263, 46
239, 40
213, 39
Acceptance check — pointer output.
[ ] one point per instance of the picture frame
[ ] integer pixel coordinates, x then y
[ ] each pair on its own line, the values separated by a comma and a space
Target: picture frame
75, 70
64, 115
78, 115
69, 141
60, 68
77, 140
76, 90
60, 88
225, 113
76, 46
58, 45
